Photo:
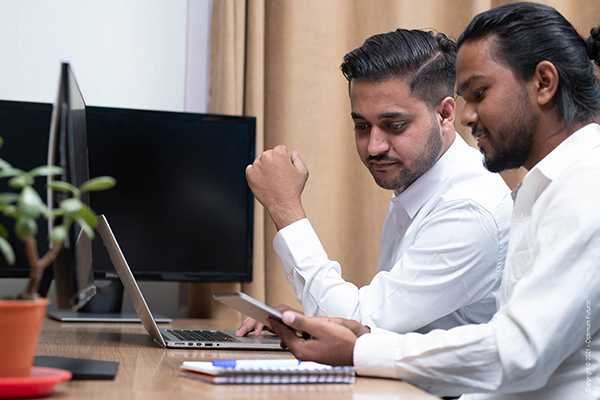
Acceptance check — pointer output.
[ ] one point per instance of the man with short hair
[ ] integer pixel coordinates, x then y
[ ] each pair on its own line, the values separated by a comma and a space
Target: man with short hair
531, 96
444, 238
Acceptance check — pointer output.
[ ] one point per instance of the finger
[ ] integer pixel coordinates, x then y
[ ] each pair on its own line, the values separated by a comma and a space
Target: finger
284, 307
258, 328
303, 348
298, 163
288, 337
312, 326
280, 149
247, 326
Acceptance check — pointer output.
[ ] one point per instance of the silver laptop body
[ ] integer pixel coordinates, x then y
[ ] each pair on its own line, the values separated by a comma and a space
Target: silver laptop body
174, 338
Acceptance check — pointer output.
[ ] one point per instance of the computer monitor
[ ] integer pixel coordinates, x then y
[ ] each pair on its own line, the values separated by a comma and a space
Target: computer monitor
24, 127
182, 210
168, 165
67, 148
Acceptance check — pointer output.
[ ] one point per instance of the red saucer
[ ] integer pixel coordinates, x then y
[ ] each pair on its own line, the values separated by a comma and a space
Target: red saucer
39, 383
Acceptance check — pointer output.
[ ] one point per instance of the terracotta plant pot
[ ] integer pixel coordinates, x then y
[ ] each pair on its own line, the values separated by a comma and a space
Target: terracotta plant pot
20, 325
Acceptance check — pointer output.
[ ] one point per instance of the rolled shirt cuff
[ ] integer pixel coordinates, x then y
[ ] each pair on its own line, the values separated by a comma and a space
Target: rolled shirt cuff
297, 245
374, 354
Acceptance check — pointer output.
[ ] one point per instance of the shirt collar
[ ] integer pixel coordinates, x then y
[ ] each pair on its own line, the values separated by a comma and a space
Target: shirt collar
568, 152
422, 189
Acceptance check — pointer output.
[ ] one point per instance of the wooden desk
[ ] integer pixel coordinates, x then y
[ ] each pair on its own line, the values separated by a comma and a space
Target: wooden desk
149, 372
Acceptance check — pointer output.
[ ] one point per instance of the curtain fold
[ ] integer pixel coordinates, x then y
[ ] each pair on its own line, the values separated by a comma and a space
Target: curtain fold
237, 88
279, 61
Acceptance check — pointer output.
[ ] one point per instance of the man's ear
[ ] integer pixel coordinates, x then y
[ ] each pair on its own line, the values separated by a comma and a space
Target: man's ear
447, 111
545, 79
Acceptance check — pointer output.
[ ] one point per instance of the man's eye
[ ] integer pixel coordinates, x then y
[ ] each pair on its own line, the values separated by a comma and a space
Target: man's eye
360, 126
479, 94
397, 126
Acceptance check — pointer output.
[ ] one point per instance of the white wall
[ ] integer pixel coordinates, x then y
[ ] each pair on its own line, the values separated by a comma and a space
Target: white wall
149, 54
125, 53
198, 54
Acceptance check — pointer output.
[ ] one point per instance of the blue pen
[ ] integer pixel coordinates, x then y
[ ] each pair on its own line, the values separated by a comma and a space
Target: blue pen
224, 363
230, 363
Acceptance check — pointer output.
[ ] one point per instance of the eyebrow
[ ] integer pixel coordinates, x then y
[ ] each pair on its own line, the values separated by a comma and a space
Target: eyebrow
384, 115
460, 90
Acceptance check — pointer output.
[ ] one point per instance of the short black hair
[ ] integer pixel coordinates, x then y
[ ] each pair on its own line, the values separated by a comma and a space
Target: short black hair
425, 59
525, 34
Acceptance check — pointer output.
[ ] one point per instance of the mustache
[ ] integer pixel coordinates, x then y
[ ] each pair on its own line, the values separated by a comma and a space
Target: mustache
477, 131
381, 157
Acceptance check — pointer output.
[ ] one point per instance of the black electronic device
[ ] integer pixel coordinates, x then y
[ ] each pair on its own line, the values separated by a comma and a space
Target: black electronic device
182, 208
24, 126
80, 368
67, 148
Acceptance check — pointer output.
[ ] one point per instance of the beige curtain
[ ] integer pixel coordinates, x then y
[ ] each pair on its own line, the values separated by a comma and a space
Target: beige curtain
237, 76
292, 83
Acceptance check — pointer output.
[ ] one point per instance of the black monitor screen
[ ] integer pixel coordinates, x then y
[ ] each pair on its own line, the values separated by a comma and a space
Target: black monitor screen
24, 127
181, 209
67, 148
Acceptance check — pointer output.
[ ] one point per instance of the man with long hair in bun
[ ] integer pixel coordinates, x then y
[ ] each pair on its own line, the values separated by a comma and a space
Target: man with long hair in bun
531, 96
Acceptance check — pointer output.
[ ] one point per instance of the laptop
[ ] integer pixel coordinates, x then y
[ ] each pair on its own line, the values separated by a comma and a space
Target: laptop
175, 338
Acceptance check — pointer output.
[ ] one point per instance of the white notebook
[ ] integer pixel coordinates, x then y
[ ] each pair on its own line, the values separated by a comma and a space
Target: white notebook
267, 371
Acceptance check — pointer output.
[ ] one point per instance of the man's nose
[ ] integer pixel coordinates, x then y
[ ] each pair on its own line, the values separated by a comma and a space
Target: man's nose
378, 142
468, 116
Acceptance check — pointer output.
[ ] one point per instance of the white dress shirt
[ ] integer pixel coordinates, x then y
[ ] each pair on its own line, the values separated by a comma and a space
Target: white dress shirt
442, 253
543, 343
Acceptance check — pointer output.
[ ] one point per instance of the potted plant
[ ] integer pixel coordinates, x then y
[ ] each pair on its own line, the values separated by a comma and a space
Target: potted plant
21, 319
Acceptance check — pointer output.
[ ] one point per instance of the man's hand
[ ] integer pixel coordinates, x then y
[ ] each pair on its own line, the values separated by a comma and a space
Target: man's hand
250, 326
356, 327
330, 342
277, 179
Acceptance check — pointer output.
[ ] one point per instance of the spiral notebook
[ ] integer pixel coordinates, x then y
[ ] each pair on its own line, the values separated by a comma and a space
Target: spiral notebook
266, 372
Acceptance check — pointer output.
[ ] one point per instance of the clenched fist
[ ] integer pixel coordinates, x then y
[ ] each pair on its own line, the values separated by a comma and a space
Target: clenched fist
277, 179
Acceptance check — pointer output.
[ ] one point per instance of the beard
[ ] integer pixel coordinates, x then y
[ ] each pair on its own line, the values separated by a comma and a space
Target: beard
405, 177
511, 142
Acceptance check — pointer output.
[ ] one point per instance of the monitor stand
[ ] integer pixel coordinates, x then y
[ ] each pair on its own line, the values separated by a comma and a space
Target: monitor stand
105, 306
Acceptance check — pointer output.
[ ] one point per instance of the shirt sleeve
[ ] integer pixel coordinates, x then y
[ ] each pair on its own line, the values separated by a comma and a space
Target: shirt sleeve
551, 314
452, 263
460, 360
554, 307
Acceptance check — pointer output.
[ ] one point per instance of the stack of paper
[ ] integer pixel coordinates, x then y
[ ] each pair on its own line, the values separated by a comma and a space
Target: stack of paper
267, 371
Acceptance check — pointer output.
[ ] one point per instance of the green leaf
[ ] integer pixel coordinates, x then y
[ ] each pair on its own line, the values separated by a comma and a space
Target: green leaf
25, 227
8, 198
20, 181
3, 232
86, 228
71, 206
30, 203
46, 170
4, 164
11, 211
7, 251
61, 186
87, 215
58, 212
8, 172
97, 184
58, 234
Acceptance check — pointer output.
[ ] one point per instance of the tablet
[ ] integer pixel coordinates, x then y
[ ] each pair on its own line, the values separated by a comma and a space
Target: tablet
249, 306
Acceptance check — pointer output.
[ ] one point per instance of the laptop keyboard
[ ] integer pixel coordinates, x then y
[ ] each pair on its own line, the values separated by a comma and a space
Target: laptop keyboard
201, 335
